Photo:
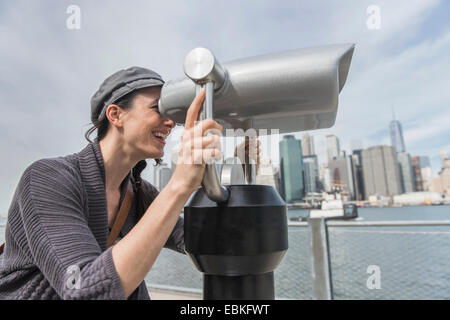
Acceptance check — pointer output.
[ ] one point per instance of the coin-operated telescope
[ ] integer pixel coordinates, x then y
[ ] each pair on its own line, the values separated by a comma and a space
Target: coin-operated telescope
236, 234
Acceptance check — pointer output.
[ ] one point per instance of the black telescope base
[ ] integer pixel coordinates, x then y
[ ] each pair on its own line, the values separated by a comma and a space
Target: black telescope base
245, 287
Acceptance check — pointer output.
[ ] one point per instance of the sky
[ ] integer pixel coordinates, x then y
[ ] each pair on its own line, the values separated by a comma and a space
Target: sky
49, 71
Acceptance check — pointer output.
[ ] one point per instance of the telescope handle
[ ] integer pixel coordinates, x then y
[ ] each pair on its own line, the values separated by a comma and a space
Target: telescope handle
211, 184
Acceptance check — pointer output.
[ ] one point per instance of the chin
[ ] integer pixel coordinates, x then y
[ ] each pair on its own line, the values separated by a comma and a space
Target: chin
154, 154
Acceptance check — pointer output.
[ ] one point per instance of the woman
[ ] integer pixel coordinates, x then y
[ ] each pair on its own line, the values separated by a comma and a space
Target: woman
63, 208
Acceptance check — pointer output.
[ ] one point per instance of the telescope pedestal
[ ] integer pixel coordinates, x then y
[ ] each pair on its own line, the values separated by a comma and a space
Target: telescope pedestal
237, 244
245, 287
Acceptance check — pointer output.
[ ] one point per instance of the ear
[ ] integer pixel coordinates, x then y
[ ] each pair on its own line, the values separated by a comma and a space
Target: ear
114, 114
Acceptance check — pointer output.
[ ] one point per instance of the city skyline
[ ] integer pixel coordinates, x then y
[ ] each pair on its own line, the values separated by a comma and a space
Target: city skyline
379, 170
365, 174
434, 159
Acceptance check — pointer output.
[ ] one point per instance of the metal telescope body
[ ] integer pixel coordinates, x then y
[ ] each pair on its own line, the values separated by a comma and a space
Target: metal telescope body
291, 91
237, 234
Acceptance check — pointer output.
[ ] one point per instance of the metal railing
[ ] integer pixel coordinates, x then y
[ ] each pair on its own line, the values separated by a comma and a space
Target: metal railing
323, 255
330, 259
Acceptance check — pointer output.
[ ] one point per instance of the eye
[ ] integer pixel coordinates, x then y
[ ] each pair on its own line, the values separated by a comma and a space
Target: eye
156, 108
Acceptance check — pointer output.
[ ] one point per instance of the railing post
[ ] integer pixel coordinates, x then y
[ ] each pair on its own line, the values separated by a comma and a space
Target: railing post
321, 268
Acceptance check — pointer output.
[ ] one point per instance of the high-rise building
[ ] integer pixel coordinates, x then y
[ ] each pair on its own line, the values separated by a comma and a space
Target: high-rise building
291, 167
341, 175
311, 173
380, 171
445, 176
307, 144
324, 178
395, 130
426, 172
441, 183
358, 174
333, 149
406, 172
418, 180
162, 176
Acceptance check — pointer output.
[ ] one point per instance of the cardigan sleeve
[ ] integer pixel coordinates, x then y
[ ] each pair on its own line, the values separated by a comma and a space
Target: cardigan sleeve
60, 241
176, 238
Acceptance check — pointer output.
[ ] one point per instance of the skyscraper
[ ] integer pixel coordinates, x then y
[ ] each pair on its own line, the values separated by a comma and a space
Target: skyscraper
324, 178
415, 162
426, 172
406, 172
358, 174
311, 173
333, 149
441, 183
395, 130
291, 167
381, 171
307, 144
444, 175
341, 175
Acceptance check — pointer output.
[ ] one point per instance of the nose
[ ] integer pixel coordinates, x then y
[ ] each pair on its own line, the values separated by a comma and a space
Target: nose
169, 123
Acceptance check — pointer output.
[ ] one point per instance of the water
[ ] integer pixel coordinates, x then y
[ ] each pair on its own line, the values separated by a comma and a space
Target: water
414, 262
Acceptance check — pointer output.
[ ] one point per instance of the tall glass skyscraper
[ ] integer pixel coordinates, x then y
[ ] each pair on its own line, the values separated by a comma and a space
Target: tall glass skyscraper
307, 144
333, 149
395, 130
406, 172
291, 166
311, 173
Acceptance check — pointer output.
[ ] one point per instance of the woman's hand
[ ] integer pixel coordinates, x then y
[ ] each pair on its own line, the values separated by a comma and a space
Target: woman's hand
196, 149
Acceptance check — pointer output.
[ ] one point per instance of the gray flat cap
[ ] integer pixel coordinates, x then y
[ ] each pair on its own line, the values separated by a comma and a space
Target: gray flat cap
118, 85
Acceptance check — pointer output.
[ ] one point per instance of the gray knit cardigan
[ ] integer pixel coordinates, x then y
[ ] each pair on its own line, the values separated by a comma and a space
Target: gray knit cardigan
57, 230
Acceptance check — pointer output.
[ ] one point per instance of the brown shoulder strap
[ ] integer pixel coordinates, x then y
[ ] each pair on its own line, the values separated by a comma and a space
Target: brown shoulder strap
121, 216
1, 248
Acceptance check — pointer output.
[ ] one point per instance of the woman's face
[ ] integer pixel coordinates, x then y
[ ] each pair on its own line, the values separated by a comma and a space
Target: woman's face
144, 129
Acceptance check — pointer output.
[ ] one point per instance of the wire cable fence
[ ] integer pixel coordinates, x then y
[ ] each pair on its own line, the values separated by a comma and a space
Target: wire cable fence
370, 260
408, 262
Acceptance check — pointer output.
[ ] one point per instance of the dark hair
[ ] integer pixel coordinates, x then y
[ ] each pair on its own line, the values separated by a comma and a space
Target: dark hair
102, 126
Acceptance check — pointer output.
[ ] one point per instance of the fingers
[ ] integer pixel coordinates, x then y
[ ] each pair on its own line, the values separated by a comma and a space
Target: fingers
201, 150
209, 126
205, 127
194, 110
200, 140
211, 155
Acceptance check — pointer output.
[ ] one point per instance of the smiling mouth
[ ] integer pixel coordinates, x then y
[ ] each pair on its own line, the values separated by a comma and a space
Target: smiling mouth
160, 136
